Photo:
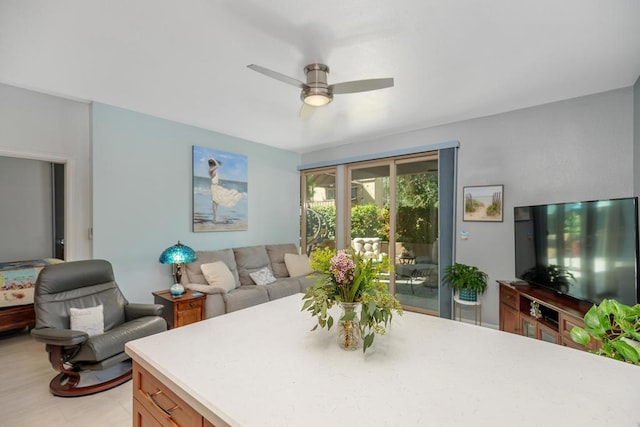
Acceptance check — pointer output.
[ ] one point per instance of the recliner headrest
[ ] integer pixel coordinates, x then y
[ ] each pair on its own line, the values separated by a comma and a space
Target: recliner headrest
73, 275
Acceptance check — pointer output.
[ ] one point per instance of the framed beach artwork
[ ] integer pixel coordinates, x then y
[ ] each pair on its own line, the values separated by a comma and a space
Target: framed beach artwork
220, 190
483, 203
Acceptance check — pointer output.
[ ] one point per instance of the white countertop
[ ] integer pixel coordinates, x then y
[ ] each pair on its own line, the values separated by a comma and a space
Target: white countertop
263, 367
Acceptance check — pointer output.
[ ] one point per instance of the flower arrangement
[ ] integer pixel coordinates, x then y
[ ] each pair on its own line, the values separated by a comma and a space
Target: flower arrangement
350, 278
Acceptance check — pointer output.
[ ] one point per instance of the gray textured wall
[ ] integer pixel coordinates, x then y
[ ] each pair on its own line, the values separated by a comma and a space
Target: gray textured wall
579, 149
25, 210
44, 127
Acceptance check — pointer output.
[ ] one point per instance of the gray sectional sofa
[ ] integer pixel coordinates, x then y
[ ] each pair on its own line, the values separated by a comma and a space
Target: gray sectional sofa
242, 262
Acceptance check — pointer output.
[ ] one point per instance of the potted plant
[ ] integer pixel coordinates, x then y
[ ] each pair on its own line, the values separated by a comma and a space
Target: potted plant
616, 326
554, 276
467, 280
352, 282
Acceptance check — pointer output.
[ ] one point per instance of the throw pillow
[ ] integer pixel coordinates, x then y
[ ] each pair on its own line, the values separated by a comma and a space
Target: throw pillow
89, 320
218, 274
264, 276
298, 265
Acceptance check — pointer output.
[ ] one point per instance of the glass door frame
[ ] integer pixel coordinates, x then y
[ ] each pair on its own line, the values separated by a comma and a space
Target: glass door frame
346, 208
304, 201
392, 163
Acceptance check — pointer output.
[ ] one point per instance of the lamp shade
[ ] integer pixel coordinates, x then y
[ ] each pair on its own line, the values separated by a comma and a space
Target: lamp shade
178, 254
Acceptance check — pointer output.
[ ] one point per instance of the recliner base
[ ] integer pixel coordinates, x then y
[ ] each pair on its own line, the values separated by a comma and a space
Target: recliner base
74, 384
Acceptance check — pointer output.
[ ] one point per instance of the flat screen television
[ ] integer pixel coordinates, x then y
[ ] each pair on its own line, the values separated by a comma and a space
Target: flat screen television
587, 250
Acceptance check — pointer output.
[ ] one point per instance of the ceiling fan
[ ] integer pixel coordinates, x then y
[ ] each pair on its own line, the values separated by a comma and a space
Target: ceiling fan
316, 92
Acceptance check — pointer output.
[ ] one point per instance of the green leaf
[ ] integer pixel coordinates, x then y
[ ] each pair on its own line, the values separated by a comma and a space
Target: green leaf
592, 318
329, 323
306, 304
626, 351
349, 315
371, 307
580, 336
368, 340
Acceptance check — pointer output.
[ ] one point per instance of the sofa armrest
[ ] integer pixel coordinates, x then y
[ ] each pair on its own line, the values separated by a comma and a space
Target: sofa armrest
205, 289
54, 336
136, 311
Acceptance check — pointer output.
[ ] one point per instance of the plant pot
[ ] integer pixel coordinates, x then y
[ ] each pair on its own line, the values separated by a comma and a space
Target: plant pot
468, 295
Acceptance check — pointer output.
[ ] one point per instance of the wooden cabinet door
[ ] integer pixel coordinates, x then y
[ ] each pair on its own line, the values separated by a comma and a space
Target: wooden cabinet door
142, 417
509, 321
545, 333
188, 312
529, 327
162, 406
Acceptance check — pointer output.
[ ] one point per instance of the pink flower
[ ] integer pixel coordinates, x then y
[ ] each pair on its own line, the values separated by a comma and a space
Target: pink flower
342, 268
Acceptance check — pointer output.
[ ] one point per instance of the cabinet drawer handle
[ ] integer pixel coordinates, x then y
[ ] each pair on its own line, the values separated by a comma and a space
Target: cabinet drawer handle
192, 305
157, 405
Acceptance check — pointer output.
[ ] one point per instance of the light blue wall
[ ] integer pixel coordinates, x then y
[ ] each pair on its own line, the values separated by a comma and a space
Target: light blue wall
142, 168
579, 149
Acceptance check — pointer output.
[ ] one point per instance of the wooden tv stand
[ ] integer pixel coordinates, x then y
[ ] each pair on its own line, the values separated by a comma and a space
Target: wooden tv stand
558, 314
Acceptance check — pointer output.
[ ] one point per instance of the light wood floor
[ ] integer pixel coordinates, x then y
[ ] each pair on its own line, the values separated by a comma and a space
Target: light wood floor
25, 399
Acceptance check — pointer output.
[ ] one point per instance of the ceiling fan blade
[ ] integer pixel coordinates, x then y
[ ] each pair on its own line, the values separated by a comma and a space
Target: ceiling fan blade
306, 111
361, 85
277, 76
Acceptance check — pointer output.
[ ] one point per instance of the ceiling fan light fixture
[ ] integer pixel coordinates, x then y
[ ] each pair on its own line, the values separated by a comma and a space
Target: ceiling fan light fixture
316, 96
316, 92
317, 100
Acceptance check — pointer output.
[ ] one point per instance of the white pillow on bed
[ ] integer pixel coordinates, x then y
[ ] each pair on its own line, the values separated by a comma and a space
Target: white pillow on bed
89, 320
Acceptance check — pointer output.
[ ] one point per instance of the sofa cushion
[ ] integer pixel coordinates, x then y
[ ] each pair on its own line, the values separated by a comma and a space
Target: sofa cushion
307, 282
262, 277
218, 274
194, 272
283, 287
248, 260
298, 265
276, 257
245, 296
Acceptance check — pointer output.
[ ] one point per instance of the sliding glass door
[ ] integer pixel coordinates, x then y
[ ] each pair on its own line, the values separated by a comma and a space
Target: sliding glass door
402, 207
369, 201
318, 209
416, 225
392, 210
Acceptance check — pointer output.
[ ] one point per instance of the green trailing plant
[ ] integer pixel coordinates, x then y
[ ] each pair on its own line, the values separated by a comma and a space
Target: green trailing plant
461, 276
349, 277
616, 326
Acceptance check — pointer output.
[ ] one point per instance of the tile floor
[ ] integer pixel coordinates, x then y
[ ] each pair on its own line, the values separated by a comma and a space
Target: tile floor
25, 399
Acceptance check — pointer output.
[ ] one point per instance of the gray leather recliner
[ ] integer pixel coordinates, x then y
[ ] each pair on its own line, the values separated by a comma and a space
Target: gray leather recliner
84, 284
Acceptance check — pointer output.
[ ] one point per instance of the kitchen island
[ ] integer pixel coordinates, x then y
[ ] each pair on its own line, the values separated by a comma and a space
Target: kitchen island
263, 367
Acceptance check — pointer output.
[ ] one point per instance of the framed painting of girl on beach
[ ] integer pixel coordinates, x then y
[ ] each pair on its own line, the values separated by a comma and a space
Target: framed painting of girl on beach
483, 203
220, 190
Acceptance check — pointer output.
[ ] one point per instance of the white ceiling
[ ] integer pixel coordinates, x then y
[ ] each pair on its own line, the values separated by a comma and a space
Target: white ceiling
451, 59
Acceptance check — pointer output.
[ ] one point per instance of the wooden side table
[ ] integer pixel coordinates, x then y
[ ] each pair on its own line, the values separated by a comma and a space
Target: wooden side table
182, 310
